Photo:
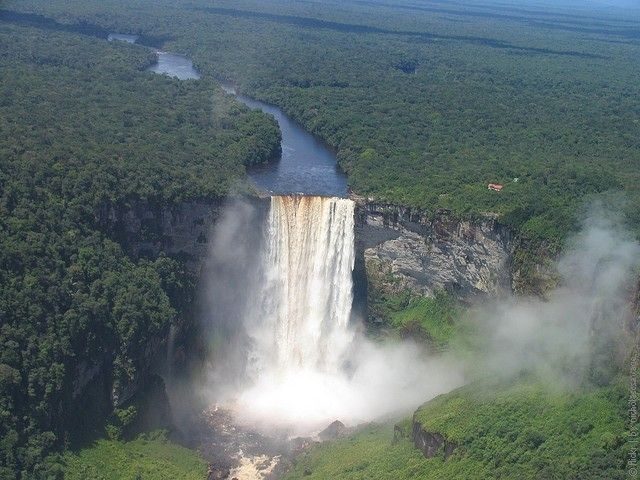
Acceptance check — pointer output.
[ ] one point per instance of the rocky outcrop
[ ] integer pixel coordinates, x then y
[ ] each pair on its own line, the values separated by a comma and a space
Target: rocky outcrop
534, 269
409, 250
431, 444
334, 431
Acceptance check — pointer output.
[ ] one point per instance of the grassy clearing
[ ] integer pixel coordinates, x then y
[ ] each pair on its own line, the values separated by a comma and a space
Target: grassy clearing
150, 457
369, 454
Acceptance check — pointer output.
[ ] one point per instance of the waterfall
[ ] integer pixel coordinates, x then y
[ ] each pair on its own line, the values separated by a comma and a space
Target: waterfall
300, 319
286, 357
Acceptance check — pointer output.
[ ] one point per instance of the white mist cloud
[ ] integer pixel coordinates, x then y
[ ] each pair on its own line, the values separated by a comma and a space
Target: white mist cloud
576, 331
290, 288
385, 381
562, 339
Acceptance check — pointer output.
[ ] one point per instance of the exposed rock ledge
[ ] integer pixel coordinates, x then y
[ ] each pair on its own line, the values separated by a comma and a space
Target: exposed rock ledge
406, 249
431, 444
412, 249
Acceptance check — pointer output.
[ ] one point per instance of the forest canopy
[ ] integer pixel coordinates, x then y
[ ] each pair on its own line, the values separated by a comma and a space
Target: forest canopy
425, 103
83, 126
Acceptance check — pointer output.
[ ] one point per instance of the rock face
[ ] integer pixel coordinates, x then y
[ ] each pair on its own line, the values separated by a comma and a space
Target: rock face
534, 268
409, 250
146, 229
335, 430
431, 444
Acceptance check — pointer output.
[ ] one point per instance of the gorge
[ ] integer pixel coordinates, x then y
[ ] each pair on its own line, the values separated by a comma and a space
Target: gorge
287, 309
289, 355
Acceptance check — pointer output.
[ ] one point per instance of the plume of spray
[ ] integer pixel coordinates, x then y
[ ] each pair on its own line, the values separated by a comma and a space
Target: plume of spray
285, 355
291, 359
575, 333
233, 248
229, 277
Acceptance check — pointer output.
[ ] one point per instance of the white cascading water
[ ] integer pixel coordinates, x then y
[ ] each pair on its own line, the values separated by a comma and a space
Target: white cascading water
299, 322
304, 307
306, 366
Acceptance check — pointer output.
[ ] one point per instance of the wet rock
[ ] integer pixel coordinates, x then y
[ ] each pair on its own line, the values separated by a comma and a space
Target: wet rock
217, 472
431, 444
299, 444
146, 228
234, 449
335, 430
534, 271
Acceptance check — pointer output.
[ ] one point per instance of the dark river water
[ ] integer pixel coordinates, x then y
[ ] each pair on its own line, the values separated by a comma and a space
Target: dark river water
307, 166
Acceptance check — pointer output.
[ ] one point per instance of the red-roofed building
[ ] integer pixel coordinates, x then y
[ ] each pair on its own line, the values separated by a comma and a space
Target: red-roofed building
495, 187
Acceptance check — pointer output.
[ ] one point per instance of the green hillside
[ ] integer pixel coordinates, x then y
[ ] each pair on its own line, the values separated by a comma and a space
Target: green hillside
508, 431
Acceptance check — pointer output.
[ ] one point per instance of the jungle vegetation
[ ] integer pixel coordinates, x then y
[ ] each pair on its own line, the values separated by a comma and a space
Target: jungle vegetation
83, 126
425, 102
507, 431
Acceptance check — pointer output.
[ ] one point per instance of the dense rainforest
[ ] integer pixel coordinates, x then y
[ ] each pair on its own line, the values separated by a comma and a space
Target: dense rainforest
425, 102
83, 126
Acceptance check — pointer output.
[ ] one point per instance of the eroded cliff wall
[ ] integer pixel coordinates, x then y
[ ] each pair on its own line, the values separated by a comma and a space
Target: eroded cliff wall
146, 229
407, 250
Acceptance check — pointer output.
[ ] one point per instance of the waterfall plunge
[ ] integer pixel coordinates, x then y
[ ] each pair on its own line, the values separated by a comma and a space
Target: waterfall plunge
299, 322
301, 317
303, 364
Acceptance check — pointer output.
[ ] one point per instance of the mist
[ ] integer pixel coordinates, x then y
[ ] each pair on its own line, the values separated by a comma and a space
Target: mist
331, 371
284, 354
386, 382
576, 333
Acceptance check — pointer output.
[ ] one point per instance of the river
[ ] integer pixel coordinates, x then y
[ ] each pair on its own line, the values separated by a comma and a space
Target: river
175, 65
307, 165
